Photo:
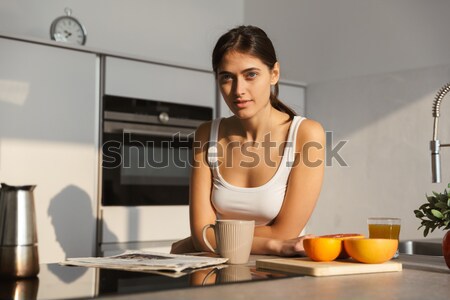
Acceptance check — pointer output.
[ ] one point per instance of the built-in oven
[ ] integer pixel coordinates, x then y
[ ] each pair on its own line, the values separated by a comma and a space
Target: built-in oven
146, 151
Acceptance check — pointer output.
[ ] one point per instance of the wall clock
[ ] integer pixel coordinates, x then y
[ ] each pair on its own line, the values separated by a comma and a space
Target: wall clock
68, 29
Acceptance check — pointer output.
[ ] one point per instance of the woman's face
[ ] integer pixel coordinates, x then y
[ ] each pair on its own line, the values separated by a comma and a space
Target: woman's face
245, 82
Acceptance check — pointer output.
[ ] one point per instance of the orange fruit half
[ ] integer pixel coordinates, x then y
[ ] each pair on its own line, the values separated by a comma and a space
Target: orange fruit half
371, 251
342, 237
322, 249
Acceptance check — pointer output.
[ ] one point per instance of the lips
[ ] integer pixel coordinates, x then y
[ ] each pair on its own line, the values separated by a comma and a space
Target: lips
242, 103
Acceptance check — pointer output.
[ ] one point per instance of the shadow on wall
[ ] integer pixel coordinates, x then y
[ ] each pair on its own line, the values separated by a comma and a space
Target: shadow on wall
74, 223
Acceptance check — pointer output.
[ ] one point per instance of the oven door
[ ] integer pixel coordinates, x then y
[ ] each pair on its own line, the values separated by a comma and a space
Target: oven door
145, 164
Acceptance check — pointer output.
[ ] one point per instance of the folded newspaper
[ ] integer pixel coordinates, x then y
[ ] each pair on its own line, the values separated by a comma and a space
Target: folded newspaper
146, 261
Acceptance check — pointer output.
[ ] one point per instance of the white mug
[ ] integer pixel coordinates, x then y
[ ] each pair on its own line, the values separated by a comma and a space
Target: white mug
234, 239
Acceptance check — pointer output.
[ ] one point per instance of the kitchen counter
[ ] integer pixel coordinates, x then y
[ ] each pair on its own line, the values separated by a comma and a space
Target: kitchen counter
423, 277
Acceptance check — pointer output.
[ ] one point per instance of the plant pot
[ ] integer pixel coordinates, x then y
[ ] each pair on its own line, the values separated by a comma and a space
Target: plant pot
446, 248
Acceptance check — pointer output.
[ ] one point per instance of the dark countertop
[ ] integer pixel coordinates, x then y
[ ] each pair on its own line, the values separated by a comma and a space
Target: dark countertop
423, 277
55, 281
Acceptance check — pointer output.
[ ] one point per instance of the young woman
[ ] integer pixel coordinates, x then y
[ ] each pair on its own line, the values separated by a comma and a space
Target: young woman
264, 163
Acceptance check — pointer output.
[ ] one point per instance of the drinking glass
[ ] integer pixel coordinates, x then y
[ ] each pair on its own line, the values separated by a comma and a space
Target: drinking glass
384, 228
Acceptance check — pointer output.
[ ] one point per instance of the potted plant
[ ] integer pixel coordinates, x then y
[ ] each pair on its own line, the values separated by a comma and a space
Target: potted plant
435, 213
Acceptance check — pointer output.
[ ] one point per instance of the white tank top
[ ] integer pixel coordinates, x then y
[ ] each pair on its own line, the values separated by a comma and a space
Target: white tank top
262, 203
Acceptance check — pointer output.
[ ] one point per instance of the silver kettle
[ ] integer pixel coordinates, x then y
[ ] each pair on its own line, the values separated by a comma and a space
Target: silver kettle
18, 237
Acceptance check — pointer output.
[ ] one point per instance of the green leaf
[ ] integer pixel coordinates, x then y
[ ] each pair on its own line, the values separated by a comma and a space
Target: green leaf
425, 232
441, 205
448, 202
431, 216
443, 197
419, 214
423, 206
437, 213
433, 200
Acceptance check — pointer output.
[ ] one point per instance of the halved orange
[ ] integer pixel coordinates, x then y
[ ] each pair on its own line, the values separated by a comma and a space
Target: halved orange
371, 251
342, 237
322, 249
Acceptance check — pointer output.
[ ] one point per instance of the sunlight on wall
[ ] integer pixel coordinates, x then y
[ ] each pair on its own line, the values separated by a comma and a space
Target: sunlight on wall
65, 196
15, 92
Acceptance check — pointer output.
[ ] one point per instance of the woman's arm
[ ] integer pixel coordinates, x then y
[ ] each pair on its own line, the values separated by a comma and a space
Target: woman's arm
302, 192
201, 211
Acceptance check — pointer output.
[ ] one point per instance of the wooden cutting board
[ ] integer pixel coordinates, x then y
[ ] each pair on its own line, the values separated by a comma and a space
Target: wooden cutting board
306, 266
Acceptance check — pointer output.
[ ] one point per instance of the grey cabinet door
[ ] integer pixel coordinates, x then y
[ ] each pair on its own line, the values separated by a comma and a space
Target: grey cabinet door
159, 82
49, 137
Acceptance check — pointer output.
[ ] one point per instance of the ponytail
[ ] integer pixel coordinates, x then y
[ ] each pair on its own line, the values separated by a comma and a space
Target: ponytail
280, 106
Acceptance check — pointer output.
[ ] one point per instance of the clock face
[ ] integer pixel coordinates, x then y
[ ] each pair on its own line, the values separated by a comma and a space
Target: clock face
68, 29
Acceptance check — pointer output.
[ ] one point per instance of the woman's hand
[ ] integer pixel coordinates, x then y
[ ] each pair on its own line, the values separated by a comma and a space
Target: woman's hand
183, 246
279, 247
292, 247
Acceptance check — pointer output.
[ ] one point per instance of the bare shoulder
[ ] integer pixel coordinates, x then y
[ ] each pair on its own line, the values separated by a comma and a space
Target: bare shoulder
203, 131
310, 131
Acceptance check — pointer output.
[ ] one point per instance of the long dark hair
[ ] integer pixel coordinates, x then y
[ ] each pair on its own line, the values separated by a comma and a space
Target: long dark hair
254, 41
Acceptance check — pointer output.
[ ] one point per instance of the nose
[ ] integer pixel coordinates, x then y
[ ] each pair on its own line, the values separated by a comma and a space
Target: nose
240, 87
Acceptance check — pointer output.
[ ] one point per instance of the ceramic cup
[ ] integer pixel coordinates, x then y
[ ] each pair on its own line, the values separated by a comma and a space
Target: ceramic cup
384, 228
234, 239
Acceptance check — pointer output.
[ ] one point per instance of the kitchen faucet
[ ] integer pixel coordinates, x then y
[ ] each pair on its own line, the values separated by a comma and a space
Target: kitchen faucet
435, 144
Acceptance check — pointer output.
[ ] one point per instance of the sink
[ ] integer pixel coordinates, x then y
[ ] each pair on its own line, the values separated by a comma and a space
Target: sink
432, 247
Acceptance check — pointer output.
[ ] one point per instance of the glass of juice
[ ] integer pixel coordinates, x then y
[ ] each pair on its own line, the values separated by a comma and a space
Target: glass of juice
384, 228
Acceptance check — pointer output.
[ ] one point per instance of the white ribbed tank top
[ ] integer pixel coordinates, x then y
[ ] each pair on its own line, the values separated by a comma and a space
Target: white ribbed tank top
262, 203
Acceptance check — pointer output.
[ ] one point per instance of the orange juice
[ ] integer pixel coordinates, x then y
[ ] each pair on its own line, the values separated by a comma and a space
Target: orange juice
384, 231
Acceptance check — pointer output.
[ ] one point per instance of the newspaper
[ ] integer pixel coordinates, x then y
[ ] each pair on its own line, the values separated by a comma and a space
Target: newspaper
143, 261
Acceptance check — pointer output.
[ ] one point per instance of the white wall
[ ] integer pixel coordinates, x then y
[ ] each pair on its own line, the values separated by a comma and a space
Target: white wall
372, 69
386, 121
320, 40
175, 31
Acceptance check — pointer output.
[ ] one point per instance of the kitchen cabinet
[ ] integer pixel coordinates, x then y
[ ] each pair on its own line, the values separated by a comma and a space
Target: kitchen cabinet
49, 136
159, 82
292, 94
145, 80
49, 113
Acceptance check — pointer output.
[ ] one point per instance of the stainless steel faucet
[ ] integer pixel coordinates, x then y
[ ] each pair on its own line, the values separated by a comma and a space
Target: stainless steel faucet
435, 145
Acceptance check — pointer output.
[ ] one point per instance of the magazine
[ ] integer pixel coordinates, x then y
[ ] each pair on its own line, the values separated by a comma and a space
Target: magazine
143, 261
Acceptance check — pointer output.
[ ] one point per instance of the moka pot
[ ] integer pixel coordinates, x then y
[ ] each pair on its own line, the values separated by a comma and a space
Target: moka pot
18, 238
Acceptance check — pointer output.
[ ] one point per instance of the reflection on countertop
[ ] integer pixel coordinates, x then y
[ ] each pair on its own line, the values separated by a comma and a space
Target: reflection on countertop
63, 282
51, 283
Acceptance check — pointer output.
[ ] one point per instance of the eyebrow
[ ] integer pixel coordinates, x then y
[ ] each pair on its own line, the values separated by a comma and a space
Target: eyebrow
243, 71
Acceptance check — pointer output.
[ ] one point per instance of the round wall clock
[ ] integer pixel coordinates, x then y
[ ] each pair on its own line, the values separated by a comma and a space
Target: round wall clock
68, 29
